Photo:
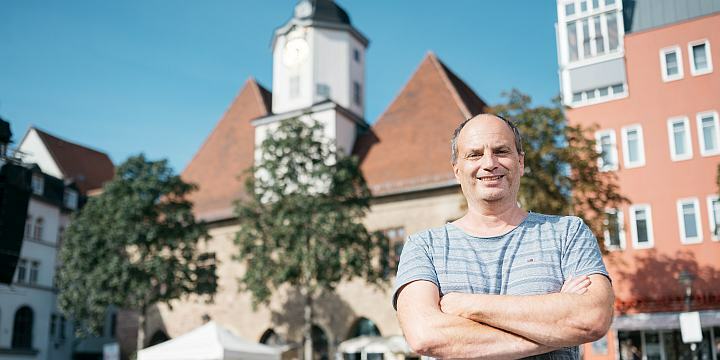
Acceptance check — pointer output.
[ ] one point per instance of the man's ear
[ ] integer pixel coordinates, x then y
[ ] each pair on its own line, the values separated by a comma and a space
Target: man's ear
456, 170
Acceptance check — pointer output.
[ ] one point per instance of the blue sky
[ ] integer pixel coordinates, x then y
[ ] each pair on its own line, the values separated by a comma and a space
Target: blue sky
155, 76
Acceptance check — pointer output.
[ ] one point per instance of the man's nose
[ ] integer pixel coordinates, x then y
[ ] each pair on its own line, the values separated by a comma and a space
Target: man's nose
489, 161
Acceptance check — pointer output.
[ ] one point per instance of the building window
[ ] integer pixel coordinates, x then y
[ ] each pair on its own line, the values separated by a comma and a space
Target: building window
641, 226
709, 133
614, 233
60, 235
700, 58
600, 35
680, 143
323, 91
37, 184
294, 86
396, 239
21, 271
572, 40
633, 146
689, 219
606, 146
713, 204
356, 55
570, 9
70, 198
604, 93
38, 229
34, 272
62, 327
28, 227
357, 93
53, 325
23, 329
671, 63
363, 327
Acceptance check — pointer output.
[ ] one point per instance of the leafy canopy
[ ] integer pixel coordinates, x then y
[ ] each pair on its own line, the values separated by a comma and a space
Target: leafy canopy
302, 222
562, 175
133, 245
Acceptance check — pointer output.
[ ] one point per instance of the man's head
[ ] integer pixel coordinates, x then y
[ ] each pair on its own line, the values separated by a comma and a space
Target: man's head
513, 128
488, 160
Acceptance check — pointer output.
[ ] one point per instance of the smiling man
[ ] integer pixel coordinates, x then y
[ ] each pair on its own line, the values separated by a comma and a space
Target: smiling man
500, 282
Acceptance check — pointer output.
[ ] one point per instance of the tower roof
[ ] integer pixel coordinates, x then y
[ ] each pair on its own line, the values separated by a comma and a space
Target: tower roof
321, 10
408, 147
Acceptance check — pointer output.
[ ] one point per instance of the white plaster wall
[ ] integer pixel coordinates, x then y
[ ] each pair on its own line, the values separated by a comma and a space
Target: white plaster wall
345, 133
33, 150
357, 73
331, 63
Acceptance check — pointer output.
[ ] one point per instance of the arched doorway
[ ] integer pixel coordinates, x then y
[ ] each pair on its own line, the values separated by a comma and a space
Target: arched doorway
320, 343
23, 328
158, 337
270, 337
363, 327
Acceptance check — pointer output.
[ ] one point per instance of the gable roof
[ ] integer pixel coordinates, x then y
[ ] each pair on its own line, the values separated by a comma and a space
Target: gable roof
408, 147
86, 167
226, 154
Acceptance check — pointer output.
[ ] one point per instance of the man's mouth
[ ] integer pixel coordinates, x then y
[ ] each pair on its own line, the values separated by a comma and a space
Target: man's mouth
490, 178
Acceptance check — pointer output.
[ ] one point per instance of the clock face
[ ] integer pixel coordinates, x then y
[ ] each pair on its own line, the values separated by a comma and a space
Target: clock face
295, 51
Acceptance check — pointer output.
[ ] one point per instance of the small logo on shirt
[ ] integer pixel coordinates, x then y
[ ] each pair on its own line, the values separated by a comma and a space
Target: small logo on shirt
530, 260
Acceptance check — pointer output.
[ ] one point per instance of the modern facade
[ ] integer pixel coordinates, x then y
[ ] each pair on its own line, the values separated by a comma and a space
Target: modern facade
646, 72
31, 326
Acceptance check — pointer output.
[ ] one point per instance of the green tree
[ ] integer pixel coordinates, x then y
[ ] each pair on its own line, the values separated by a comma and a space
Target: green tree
562, 175
302, 222
132, 246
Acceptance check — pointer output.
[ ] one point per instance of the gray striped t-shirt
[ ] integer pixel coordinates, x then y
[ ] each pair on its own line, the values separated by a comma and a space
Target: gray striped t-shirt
534, 258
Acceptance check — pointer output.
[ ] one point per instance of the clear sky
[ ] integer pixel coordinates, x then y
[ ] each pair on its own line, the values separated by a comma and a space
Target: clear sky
155, 76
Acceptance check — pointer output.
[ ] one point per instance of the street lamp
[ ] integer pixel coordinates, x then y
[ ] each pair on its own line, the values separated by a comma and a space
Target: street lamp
686, 278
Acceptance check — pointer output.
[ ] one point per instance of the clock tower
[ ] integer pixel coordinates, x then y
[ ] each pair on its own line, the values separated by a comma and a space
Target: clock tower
317, 56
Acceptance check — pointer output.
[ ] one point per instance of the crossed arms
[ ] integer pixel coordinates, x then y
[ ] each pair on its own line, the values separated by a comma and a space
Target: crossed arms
503, 326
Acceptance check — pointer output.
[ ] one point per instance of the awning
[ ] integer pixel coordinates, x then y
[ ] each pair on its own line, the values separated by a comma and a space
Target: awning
661, 321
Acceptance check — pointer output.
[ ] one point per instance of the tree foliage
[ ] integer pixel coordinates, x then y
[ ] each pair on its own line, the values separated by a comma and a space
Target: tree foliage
302, 223
133, 245
562, 175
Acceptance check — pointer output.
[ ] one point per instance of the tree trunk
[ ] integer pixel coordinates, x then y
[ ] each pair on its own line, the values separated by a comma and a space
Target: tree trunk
307, 326
141, 330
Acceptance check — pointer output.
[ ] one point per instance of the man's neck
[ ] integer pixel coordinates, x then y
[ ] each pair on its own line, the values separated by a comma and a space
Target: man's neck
487, 221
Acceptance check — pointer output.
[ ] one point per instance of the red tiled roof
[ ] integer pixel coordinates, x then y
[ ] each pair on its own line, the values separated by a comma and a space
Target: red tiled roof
409, 145
226, 153
88, 168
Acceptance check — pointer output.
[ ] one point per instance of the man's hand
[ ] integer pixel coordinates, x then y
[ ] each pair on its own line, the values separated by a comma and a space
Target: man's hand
459, 304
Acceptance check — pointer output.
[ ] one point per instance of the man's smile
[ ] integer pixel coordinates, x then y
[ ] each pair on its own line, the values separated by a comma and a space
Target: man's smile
490, 177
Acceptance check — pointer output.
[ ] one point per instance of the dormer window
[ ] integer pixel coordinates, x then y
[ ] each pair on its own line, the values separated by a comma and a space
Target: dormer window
70, 199
38, 184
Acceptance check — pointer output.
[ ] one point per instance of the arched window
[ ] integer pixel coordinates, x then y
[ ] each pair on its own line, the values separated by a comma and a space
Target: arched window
320, 343
38, 230
363, 327
270, 337
28, 227
158, 337
23, 328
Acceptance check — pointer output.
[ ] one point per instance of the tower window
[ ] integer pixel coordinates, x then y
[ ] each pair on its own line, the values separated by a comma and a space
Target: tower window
357, 93
323, 90
356, 55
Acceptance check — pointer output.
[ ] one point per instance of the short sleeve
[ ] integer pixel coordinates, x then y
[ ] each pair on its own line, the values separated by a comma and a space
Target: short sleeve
581, 255
415, 264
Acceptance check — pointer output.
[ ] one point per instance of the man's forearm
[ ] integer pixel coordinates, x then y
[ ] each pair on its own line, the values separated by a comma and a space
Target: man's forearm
557, 320
450, 336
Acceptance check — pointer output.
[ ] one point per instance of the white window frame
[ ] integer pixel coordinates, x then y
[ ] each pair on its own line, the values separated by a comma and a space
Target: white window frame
603, 10
626, 146
711, 223
688, 138
621, 231
663, 63
701, 134
681, 221
598, 145
691, 57
633, 226
37, 184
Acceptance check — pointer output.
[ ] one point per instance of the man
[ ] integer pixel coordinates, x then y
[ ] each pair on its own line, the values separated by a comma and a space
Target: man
500, 282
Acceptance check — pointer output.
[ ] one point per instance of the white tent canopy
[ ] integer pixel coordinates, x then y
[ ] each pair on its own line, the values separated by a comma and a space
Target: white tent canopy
375, 344
209, 342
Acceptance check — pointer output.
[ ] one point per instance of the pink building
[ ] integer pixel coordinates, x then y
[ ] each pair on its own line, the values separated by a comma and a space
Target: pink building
647, 72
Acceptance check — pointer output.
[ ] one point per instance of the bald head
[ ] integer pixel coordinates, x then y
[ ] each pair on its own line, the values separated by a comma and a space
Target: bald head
483, 117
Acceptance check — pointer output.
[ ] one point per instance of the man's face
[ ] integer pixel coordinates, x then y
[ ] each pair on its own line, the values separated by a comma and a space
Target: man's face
488, 166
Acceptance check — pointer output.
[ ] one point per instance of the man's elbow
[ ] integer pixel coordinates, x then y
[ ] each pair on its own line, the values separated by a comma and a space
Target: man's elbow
593, 325
423, 343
